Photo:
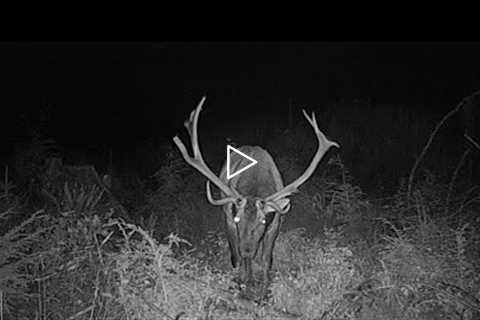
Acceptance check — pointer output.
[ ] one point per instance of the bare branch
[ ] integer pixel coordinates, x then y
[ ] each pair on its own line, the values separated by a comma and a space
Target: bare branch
475, 144
432, 136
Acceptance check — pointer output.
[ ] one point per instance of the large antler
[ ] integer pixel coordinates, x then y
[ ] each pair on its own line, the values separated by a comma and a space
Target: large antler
323, 145
197, 161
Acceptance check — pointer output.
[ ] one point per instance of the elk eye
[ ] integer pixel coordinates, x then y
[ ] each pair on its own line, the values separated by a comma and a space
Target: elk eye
240, 202
236, 219
263, 221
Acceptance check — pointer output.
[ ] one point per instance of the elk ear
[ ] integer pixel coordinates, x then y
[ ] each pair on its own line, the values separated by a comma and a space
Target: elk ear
281, 203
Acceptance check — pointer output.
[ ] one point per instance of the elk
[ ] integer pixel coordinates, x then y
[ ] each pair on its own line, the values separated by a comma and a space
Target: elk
253, 201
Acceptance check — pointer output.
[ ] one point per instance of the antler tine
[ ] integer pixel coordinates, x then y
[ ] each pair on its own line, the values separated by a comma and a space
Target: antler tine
215, 202
197, 160
278, 208
323, 145
191, 124
321, 137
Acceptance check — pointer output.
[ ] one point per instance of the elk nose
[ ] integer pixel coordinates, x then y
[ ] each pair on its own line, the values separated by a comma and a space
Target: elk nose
248, 252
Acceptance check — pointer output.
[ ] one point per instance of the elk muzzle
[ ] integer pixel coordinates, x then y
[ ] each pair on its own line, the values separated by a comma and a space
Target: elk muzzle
248, 251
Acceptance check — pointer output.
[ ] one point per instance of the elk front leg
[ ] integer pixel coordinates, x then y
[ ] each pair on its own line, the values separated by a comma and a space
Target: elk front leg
235, 258
246, 270
267, 251
267, 246
267, 266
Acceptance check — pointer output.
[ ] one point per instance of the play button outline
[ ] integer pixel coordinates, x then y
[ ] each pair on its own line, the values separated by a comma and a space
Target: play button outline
251, 164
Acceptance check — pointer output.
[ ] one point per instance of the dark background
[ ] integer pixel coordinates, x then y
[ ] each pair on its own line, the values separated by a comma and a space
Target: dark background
94, 97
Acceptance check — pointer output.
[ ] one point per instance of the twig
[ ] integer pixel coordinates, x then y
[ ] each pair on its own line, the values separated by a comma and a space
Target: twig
154, 307
6, 182
454, 177
475, 144
1, 304
82, 312
95, 295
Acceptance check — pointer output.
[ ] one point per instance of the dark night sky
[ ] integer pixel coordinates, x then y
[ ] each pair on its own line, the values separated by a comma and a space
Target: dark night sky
111, 93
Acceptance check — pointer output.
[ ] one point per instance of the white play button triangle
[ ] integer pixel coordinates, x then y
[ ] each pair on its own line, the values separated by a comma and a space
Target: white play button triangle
251, 164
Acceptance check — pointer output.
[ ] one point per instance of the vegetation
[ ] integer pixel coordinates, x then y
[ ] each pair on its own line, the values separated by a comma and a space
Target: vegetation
68, 252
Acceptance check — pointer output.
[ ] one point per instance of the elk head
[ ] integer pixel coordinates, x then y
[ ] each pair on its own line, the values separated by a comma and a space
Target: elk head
253, 201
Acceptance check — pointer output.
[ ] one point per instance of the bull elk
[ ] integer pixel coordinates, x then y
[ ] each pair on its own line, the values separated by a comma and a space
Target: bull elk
254, 201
